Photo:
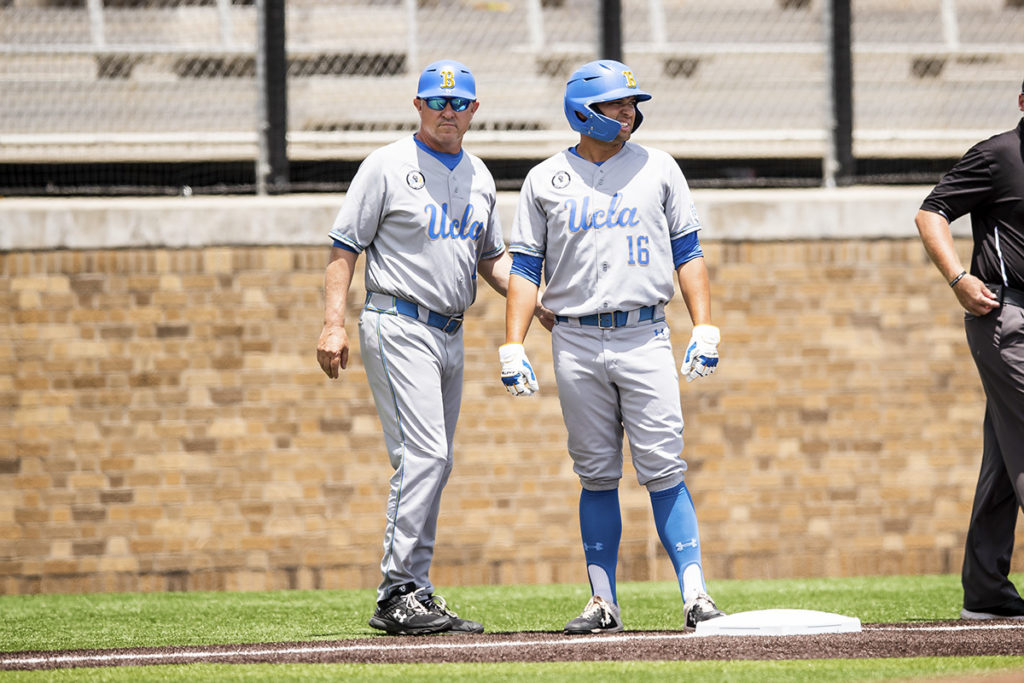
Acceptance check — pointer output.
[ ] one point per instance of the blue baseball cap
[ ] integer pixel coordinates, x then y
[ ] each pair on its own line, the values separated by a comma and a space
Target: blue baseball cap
447, 78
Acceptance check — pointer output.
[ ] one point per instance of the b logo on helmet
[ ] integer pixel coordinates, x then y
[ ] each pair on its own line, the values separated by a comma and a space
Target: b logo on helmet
630, 79
447, 79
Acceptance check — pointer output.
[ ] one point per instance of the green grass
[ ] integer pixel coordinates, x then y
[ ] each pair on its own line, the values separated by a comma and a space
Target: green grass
51, 622
809, 671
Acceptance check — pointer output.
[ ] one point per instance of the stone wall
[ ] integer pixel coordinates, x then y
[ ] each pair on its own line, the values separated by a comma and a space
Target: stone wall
164, 424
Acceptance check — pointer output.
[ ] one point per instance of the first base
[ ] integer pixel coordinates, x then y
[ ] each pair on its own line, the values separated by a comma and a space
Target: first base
778, 622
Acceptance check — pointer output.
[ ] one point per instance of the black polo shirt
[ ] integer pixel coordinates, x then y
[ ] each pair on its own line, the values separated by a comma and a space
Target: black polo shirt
988, 183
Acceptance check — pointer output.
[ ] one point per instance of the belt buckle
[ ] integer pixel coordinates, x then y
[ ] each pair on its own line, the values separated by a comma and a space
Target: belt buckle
602, 317
448, 328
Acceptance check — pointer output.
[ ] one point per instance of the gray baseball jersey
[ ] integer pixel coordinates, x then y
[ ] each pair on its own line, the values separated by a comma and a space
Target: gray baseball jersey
604, 231
605, 234
424, 229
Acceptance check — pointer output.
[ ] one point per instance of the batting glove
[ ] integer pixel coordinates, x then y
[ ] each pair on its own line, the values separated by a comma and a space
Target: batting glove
516, 371
701, 357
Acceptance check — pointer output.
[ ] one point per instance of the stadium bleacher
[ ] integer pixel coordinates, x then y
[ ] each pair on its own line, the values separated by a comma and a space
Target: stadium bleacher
748, 75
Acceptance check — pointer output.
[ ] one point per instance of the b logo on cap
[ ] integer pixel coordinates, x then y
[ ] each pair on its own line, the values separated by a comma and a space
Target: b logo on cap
630, 79
447, 79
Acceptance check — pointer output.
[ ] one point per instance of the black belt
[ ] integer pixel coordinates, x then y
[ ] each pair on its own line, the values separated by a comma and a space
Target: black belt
1008, 295
611, 319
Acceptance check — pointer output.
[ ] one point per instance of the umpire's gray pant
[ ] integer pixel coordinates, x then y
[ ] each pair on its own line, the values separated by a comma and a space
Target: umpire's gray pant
996, 341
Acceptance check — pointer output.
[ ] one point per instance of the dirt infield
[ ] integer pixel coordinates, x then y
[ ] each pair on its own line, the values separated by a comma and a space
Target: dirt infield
934, 639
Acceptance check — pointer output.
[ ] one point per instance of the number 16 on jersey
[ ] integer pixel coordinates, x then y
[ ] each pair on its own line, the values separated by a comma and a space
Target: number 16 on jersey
639, 253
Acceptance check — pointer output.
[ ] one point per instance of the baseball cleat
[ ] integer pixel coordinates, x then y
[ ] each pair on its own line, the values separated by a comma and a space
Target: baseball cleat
435, 604
404, 615
701, 608
598, 616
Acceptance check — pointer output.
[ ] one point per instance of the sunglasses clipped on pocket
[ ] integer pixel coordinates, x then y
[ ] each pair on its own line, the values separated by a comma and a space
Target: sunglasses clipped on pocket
438, 103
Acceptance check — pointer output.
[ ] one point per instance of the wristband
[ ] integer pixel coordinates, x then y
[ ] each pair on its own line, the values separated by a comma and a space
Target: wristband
957, 278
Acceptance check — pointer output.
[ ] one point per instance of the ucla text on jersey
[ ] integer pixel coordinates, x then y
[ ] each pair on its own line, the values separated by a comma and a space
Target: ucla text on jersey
441, 227
613, 217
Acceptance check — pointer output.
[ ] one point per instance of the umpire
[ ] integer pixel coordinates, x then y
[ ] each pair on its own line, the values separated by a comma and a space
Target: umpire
988, 183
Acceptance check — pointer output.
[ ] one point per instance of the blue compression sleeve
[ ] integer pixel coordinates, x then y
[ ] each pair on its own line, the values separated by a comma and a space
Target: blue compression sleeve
676, 521
527, 266
601, 529
686, 248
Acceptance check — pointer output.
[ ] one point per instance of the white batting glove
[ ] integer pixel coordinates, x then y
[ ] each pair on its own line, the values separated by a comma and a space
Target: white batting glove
701, 357
516, 371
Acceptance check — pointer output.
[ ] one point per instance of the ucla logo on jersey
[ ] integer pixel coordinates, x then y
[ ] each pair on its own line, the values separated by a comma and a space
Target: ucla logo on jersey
560, 180
415, 180
441, 227
615, 216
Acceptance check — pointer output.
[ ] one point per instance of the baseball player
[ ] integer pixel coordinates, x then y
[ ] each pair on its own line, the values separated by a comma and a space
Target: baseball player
611, 224
423, 211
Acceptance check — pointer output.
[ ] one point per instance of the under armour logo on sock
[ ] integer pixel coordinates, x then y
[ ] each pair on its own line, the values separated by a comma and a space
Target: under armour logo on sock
597, 546
680, 546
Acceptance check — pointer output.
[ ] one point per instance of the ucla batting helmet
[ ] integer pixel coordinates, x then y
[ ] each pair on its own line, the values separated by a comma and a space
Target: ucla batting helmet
447, 78
600, 81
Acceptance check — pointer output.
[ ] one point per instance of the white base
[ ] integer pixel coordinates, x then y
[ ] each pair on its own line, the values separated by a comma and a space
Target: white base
778, 622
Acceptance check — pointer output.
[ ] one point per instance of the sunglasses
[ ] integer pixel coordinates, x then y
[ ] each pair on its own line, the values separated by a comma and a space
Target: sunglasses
438, 103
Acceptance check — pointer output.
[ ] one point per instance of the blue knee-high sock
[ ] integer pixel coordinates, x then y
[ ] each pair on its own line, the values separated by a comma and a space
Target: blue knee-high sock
676, 521
601, 529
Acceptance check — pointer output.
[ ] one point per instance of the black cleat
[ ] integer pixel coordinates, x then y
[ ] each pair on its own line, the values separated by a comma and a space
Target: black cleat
598, 616
701, 608
435, 604
403, 614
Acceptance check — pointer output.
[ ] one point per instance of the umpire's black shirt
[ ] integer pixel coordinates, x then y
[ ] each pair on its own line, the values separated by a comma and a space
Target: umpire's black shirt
988, 183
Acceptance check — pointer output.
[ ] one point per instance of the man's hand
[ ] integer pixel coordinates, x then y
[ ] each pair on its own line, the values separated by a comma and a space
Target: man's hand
974, 296
701, 357
332, 350
516, 371
545, 316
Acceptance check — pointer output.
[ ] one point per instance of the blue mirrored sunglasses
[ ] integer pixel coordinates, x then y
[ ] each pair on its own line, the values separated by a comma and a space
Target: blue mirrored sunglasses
437, 103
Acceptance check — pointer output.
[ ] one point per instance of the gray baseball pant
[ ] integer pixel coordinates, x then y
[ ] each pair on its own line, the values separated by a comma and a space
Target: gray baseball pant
415, 374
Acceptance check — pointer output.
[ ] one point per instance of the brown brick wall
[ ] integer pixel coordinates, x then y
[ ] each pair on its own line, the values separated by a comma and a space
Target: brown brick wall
165, 426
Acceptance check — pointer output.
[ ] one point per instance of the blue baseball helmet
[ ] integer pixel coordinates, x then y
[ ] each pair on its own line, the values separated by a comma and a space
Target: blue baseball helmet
600, 81
447, 78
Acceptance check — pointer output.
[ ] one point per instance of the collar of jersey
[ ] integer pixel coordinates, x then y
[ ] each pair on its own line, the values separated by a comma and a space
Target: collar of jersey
596, 163
449, 160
